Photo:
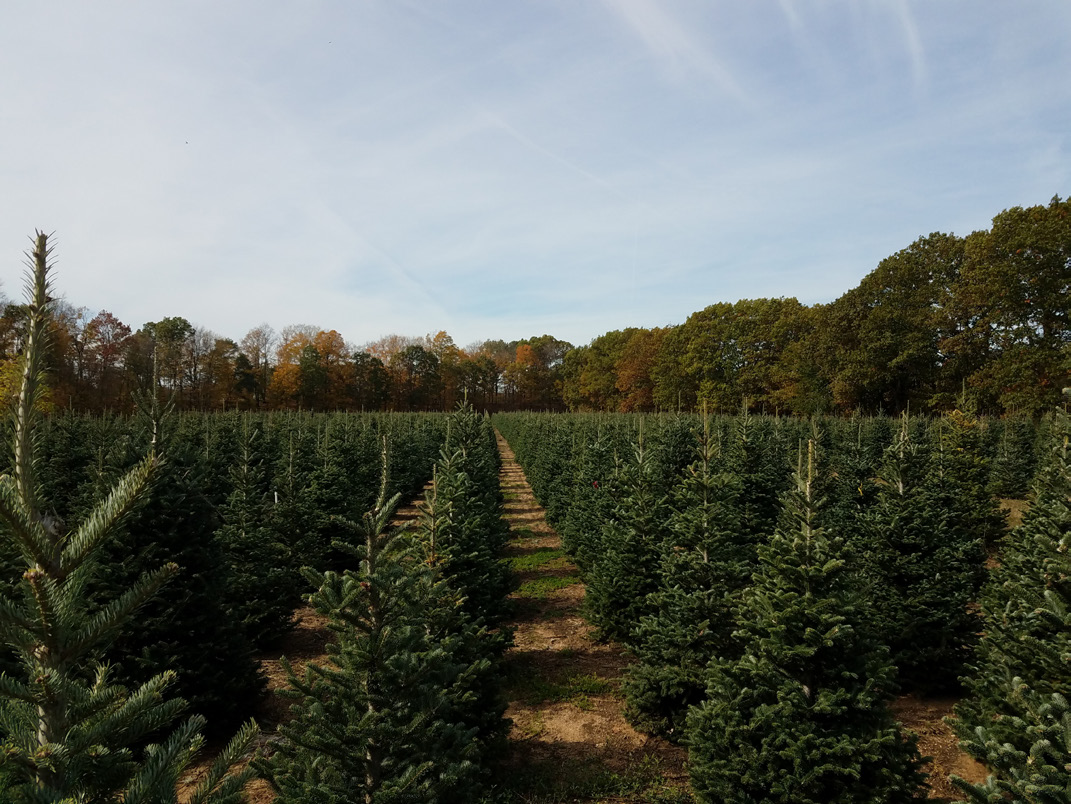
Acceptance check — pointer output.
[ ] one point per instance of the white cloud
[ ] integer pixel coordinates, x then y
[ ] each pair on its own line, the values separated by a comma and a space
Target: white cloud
673, 43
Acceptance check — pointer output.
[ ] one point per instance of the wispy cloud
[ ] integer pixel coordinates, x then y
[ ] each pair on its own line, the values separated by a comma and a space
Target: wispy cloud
672, 44
912, 41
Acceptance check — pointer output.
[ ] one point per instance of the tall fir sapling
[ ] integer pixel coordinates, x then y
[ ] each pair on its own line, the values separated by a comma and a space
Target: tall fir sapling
624, 570
706, 561
380, 722
922, 569
802, 717
470, 532
1015, 462
1016, 718
265, 582
188, 631
590, 501
467, 625
70, 733
960, 464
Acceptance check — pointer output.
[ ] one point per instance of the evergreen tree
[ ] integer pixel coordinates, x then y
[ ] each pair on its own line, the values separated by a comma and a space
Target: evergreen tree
265, 579
963, 470
70, 733
380, 722
802, 716
1014, 464
624, 570
461, 622
590, 502
188, 631
923, 568
1016, 717
851, 489
469, 532
1040, 774
706, 562
295, 518
754, 454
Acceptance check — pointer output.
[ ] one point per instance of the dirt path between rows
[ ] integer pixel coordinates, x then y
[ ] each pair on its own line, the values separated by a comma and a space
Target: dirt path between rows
569, 740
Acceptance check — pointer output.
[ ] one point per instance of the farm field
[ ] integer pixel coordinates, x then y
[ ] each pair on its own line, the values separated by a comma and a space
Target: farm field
679, 606
569, 737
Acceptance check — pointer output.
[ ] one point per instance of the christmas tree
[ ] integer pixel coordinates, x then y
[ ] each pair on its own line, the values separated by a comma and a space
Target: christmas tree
625, 569
705, 563
384, 720
70, 733
1016, 719
265, 579
802, 715
923, 568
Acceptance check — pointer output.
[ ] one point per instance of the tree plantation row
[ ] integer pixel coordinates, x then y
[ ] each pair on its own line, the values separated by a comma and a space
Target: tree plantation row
252, 514
779, 582
977, 322
240, 502
131, 571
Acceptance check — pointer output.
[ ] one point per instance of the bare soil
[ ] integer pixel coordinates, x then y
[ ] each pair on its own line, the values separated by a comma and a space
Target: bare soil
562, 745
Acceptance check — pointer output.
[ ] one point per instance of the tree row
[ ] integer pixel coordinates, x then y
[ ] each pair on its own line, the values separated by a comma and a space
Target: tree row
779, 583
978, 322
410, 705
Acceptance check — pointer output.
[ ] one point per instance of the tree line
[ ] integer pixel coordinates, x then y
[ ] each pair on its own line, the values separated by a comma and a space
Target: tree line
97, 363
978, 323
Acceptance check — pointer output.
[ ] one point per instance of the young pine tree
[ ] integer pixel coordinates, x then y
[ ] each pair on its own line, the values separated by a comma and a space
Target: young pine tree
460, 622
625, 569
70, 734
189, 631
1016, 719
265, 582
802, 715
922, 569
706, 562
470, 533
590, 503
381, 722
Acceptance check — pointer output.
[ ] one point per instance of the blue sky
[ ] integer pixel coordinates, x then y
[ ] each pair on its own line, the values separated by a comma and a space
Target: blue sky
505, 168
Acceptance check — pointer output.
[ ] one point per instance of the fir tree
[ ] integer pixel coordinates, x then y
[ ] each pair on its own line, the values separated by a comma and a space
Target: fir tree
265, 579
706, 561
1016, 717
188, 631
754, 455
852, 491
802, 715
295, 518
963, 470
71, 733
455, 621
923, 569
380, 723
1040, 773
625, 571
469, 532
590, 502
1014, 464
